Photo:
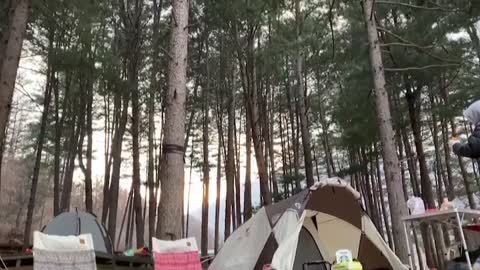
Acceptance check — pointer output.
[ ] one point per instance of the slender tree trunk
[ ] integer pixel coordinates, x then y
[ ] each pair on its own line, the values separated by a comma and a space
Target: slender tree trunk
230, 159
206, 165
291, 102
152, 203
89, 129
236, 172
253, 98
446, 148
398, 206
382, 202
117, 146
247, 198
217, 200
174, 140
205, 182
238, 190
18, 18
41, 137
109, 159
59, 121
413, 99
301, 100
286, 192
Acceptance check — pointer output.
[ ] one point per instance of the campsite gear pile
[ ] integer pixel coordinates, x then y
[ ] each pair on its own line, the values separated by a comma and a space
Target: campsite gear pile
51, 252
310, 226
176, 255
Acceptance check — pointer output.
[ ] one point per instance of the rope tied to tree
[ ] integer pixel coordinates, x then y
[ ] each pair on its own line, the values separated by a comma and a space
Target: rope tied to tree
173, 149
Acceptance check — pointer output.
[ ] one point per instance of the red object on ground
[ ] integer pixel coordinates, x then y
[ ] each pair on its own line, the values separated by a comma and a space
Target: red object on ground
177, 261
472, 227
28, 251
144, 252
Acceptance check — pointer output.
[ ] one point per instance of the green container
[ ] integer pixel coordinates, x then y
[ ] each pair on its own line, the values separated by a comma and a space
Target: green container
355, 265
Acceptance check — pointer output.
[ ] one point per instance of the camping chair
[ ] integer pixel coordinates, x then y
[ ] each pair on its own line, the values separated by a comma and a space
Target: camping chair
51, 252
176, 255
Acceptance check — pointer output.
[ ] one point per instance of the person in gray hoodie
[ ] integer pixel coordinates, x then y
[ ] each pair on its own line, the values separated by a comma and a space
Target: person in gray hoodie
471, 148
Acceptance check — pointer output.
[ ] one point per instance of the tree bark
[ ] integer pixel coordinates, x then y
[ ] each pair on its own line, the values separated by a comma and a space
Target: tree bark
398, 206
247, 197
10, 60
206, 165
59, 121
302, 101
253, 98
217, 200
382, 202
40, 141
152, 203
117, 145
230, 160
292, 118
174, 139
413, 100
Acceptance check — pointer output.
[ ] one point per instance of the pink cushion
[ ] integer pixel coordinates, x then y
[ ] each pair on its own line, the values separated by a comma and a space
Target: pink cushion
177, 261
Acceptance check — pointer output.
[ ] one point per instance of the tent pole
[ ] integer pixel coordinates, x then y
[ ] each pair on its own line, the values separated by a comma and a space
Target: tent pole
408, 245
462, 235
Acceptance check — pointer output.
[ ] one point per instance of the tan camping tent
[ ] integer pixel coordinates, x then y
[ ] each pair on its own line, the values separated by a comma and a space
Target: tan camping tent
310, 226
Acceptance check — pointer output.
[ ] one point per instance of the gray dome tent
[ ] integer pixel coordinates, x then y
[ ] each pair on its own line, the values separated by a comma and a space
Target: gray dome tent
76, 223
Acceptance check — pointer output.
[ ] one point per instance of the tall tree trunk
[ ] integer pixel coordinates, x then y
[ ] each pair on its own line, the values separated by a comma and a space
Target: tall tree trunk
206, 185
217, 200
231, 113
269, 122
247, 197
230, 159
152, 204
77, 123
291, 114
414, 106
413, 101
398, 206
40, 140
117, 146
238, 190
174, 139
109, 156
253, 98
10, 59
286, 192
59, 121
301, 99
446, 148
206, 164
382, 201
89, 130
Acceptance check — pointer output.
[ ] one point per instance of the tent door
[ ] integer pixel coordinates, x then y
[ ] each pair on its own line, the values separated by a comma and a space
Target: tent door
307, 253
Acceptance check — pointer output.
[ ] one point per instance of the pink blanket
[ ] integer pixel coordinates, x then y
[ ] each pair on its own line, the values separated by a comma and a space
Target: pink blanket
177, 261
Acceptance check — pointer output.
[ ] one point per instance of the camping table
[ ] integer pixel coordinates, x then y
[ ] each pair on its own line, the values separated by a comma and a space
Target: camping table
453, 218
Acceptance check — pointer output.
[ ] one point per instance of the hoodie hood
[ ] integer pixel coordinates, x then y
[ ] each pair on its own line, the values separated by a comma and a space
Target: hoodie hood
472, 113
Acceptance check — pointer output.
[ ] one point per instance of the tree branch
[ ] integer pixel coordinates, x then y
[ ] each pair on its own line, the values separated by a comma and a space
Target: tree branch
413, 6
400, 44
420, 68
418, 47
